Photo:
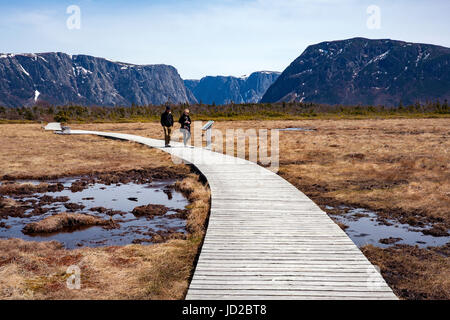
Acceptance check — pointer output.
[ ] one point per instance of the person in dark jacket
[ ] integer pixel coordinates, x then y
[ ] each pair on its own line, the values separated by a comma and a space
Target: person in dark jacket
185, 122
167, 124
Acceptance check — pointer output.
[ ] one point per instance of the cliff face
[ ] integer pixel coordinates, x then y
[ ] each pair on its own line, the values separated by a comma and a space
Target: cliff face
222, 90
366, 72
61, 79
354, 71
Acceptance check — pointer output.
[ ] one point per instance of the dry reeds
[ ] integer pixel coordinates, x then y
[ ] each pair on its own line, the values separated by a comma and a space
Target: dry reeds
63, 221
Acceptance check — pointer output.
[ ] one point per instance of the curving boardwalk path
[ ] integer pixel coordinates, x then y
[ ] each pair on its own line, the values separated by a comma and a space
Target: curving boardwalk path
266, 239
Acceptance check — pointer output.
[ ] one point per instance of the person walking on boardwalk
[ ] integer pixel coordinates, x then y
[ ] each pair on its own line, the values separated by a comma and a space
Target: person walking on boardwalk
185, 122
167, 123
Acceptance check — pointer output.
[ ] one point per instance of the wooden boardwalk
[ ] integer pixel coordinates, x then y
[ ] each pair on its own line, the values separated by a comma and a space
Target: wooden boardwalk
266, 239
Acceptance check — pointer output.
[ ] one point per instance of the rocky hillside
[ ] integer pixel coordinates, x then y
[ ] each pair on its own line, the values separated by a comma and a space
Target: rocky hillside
366, 72
222, 90
61, 79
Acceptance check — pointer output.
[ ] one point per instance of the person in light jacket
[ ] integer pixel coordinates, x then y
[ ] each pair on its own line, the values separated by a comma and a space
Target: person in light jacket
185, 122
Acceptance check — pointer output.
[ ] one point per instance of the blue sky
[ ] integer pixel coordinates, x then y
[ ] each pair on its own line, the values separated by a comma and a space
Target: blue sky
199, 37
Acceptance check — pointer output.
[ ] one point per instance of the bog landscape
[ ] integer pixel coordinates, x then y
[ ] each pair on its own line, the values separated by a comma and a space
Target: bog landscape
353, 202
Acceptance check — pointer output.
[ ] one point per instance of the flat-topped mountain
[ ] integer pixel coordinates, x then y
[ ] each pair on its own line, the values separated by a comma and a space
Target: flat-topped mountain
222, 90
366, 72
60, 79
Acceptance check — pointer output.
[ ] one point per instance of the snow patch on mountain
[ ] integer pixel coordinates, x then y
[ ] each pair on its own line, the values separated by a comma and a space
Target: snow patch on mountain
380, 57
23, 70
82, 70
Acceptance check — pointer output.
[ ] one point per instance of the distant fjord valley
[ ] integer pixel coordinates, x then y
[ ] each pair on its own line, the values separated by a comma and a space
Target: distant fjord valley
226, 89
356, 71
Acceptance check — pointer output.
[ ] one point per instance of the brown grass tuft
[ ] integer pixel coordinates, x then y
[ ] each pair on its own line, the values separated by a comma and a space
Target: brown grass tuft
28, 188
150, 210
63, 221
413, 273
7, 203
199, 195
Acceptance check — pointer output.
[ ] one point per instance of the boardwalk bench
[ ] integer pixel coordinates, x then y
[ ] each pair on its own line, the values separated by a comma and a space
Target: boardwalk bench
53, 126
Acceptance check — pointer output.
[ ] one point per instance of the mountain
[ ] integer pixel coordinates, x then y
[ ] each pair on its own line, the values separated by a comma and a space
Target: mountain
61, 79
366, 72
222, 90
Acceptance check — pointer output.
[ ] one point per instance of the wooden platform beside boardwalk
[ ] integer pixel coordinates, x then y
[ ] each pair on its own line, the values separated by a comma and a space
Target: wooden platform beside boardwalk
266, 239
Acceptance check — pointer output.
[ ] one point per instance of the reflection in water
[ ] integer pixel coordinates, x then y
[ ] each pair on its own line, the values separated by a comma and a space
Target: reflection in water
168, 192
363, 228
122, 198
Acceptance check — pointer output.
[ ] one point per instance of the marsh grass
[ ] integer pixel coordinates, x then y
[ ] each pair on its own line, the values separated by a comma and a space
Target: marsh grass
37, 270
63, 221
413, 273
397, 167
28, 152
